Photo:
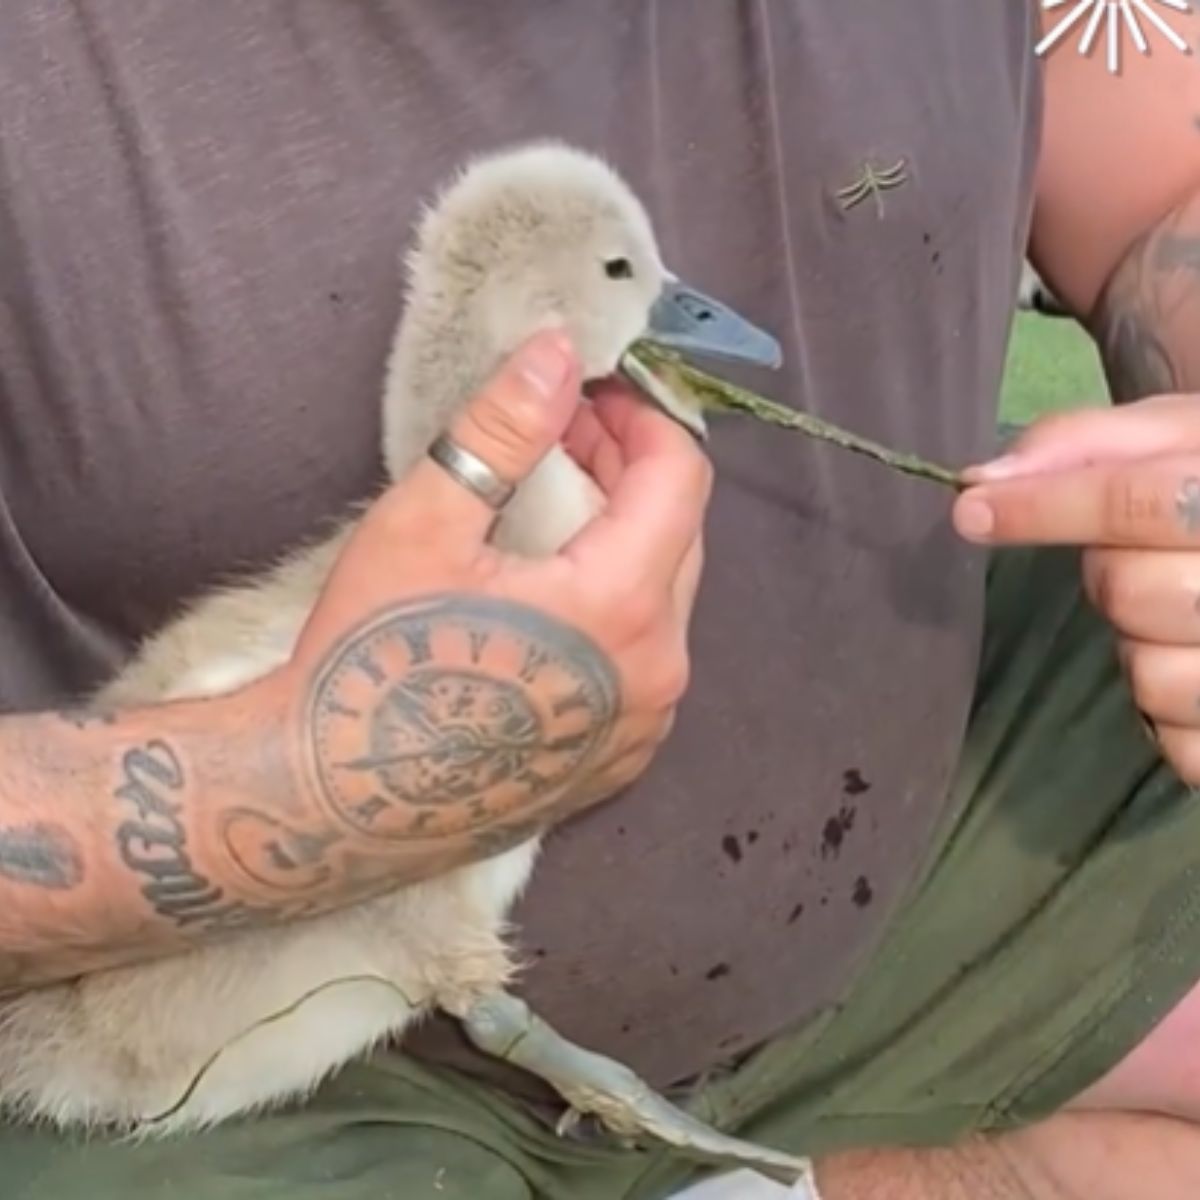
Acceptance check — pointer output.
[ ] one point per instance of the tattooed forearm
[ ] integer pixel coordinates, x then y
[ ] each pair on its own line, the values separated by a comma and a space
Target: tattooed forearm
442, 732
1147, 320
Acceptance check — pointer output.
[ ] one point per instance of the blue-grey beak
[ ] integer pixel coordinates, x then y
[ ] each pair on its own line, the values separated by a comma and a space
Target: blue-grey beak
688, 321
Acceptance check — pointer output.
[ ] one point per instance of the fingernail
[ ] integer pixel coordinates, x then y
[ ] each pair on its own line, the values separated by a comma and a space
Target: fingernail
975, 519
545, 362
1006, 467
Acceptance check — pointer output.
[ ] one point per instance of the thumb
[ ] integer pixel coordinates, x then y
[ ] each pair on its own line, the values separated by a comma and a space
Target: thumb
1064, 441
522, 411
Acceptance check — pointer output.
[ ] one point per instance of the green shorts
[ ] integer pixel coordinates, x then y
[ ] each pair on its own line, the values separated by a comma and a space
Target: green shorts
1054, 924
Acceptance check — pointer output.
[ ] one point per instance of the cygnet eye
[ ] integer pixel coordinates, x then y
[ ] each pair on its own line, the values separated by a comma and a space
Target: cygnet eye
618, 268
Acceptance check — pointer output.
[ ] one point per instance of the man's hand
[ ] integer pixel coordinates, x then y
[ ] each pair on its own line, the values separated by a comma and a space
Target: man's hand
562, 674
1116, 233
1124, 483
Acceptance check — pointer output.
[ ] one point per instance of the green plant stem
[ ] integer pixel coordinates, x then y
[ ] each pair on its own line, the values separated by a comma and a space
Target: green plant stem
712, 393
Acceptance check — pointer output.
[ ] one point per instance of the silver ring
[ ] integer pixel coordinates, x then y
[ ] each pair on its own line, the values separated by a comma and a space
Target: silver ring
471, 471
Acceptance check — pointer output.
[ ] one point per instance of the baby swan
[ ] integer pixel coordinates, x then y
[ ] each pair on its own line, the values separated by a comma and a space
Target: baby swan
541, 235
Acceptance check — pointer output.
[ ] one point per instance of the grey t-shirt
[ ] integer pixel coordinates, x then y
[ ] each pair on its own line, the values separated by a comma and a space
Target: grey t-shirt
202, 209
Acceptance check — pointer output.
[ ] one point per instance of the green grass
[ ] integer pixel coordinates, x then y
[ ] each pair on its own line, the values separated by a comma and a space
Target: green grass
1052, 364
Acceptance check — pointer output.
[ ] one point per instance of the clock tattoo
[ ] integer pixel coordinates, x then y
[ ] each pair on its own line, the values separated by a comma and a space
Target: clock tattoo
447, 715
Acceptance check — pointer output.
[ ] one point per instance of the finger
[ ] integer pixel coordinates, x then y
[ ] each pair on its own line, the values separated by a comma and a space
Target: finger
623, 411
1180, 746
594, 449
516, 417
1150, 503
1165, 681
615, 395
687, 582
612, 420
1159, 425
656, 509
1149, 595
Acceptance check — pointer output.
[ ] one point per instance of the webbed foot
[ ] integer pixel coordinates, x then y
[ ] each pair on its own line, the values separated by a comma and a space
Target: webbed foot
506, 1028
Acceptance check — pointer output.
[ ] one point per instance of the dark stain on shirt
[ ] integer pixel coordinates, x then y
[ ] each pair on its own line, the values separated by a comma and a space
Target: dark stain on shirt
853, 784
863, 893
835, 831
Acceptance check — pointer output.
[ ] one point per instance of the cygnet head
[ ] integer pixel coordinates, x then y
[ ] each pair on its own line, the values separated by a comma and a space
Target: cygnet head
541, 235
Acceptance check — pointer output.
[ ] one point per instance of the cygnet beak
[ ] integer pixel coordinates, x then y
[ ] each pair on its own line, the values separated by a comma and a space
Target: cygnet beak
692, 323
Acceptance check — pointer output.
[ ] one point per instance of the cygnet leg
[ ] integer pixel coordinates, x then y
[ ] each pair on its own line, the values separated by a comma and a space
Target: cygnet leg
506, 1028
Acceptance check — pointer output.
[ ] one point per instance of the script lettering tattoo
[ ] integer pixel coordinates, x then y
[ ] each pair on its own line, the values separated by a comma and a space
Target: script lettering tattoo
474, 715
41, 854
153, 843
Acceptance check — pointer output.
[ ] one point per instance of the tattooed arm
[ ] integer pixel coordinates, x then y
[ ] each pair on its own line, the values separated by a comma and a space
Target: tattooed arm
442, 705
1147, 318
102, 820
437, 733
